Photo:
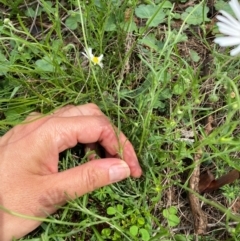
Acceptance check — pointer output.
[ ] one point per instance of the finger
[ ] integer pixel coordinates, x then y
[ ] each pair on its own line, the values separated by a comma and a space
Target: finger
33, 116
93, 110
77, 181
67, 132
71, 110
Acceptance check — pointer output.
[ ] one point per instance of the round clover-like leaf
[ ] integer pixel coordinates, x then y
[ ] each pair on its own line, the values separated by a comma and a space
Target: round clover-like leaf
170, 215
141, 221
173, 220
111, 210
72, 21
145, 234
134, 230
172, 210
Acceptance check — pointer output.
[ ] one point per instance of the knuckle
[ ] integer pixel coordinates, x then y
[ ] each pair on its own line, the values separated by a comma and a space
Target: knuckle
69, 106
105, 124
91, 177
63, 109
92, 106
32, 116
95, 109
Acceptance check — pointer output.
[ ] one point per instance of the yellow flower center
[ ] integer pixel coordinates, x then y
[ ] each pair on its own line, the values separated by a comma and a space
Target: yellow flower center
95, 60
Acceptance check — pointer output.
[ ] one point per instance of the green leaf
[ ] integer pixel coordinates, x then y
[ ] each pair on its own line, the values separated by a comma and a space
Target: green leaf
166, 4
120, 208
72, 21
177, 15
213, 97
134, 230
159, 104
111, 210
178, 89
4, 64
149, 41
116, 236
141, 221
165, 94
15, 90
144, 233
106, 232
129, 26
196, 15
180, 237
98, 3
221, 5
165, 213
159, 18
45, 64
145, 11
16, 113
194, 55
173, 220
110, 24
2, 57
148, 11
172, 210
170, 215
47, 7
30, 12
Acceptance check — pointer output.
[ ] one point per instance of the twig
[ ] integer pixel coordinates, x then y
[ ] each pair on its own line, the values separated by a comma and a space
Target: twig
128, 45
199, 217
34, 20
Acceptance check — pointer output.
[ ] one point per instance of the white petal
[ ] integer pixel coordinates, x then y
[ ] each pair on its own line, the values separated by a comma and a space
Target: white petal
100, 57
222, 21
88, 51
228, 31
227, 41
235, 51
219, 40
235, 7
227, 22
235, 27
225, 26
100, 64
228, 19
85, 55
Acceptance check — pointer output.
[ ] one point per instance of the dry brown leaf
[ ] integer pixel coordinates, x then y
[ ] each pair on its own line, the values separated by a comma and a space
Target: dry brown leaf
207, 182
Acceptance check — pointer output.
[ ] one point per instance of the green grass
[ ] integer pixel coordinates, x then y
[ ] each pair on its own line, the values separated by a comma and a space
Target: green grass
156, 82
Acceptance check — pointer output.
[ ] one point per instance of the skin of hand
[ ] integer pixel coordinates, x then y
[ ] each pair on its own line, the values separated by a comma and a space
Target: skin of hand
30, 183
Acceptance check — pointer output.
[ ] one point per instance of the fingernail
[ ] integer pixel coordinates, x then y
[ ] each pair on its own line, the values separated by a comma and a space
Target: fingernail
119, 171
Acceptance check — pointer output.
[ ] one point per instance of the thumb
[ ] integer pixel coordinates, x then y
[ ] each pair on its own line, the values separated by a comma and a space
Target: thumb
85, 178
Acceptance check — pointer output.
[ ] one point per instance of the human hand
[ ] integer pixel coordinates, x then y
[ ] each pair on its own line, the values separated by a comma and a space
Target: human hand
30, 183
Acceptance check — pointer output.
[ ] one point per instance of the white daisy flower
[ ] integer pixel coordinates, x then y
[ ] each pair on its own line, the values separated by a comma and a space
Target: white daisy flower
95, 60
230, 26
